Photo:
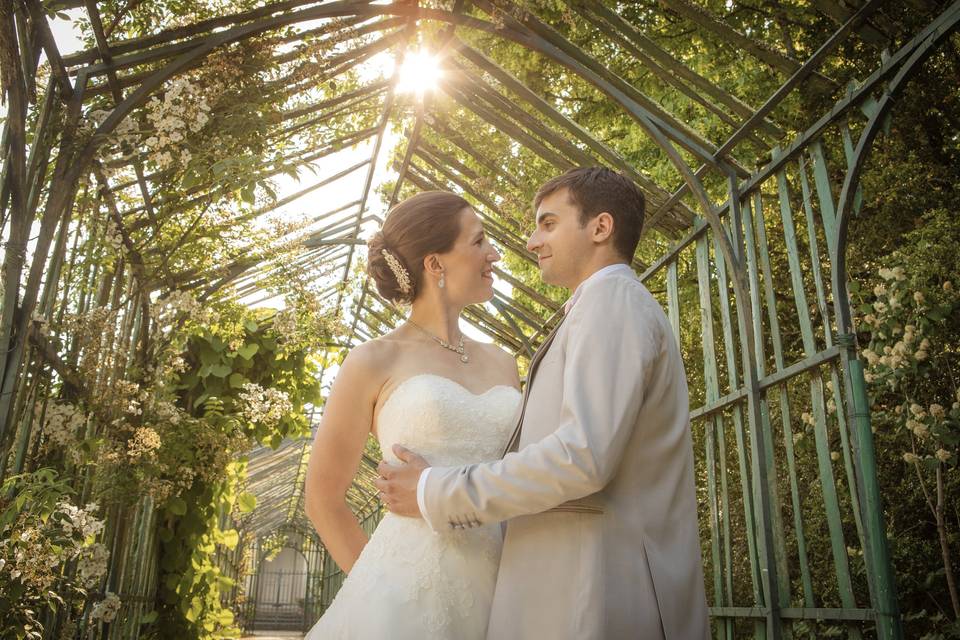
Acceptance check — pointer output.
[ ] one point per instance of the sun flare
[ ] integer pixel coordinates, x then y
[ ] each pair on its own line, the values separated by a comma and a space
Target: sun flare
419, 73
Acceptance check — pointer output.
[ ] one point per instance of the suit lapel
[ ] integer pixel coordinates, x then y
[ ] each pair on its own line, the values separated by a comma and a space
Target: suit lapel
534, 364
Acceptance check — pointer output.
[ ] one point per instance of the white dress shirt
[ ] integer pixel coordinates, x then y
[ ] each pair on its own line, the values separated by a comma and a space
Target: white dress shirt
596, 275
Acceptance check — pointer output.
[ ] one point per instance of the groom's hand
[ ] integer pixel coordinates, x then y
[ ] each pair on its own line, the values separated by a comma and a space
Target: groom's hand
398, 482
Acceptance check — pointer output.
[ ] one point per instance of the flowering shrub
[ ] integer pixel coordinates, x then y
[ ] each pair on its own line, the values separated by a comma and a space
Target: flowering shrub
62, 423
905, 323
909, 323
264, 406
41, 532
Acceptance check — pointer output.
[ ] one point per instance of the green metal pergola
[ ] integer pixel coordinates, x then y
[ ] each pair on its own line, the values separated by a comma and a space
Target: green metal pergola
769, 352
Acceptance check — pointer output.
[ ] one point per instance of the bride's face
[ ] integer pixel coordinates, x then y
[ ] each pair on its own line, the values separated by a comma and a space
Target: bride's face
468, 266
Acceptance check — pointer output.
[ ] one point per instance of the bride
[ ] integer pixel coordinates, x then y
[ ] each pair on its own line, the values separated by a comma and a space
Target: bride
425, 386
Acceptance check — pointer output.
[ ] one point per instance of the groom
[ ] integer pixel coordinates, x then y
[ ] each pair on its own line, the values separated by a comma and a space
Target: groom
597, 480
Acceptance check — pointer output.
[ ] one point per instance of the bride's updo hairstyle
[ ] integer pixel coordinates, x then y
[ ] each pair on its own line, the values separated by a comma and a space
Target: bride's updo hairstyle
426, 223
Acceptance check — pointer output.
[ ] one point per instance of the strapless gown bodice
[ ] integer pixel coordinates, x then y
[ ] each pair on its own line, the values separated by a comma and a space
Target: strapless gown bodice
410, 582
445, 422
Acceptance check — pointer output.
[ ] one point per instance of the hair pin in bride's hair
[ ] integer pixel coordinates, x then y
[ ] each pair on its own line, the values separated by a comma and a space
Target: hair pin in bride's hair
403, 278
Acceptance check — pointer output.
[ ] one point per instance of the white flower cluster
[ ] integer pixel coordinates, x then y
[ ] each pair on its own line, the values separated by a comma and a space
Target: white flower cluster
285, 324
144, 443
897, 273
31, 558
163, 411
92, 563
167, 310
78, 520
264, 406
127, 132
107, 609
183, 109
61, 423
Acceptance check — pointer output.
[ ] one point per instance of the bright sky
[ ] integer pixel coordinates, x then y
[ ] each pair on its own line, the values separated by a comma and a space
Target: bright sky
341, 192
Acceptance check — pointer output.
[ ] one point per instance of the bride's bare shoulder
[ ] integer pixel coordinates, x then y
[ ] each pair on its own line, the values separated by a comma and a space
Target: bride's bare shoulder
373, 354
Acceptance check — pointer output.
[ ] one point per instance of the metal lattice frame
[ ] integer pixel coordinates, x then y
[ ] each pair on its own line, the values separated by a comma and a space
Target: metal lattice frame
711, 232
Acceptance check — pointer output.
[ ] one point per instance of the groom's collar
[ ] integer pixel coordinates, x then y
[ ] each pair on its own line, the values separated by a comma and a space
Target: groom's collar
596, 275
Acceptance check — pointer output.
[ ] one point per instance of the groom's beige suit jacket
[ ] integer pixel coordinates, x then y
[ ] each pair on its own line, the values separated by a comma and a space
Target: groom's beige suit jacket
597, 486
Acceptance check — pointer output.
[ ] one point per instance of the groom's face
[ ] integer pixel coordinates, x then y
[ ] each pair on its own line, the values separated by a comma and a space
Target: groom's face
560, 242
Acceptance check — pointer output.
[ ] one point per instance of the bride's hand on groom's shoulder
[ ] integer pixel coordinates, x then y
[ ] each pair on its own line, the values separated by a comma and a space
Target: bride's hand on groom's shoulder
398, 482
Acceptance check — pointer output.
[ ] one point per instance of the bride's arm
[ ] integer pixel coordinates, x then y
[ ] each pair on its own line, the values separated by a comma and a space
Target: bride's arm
336, 454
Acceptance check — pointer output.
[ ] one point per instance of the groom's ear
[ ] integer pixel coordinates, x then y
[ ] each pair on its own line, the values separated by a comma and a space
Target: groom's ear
602, 227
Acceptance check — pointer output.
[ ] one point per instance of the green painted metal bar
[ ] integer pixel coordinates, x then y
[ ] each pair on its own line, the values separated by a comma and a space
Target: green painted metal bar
824, 463
730, 349
755, 292
817, 270
795, 613
759, 229
711, 424
673, 300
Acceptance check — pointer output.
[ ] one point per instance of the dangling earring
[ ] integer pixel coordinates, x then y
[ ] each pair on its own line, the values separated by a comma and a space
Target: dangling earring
442, 280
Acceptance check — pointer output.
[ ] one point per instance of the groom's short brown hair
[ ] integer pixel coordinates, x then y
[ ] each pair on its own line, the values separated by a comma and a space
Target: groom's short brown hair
598, 189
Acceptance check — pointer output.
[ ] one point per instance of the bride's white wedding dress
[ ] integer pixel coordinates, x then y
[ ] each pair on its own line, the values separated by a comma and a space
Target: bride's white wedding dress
410, 582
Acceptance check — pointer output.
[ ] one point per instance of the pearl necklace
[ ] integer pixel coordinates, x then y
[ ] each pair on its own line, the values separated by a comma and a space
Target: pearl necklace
464, 358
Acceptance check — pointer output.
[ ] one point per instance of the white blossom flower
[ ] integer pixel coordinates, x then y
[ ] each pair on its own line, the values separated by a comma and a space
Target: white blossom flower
943, 455
92, 563
899, 274
145, 442
264, 406
61, 423
918, 428
79, 520
107, 609
886, 274
918, 297
911, 458
937, 411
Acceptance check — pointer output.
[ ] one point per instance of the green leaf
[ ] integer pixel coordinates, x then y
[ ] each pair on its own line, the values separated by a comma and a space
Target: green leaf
225, 617
177, 506
247, 502
231, 538
237, 380
149, 618
248, 194
251, 326
190, 179
249, 350
220, 370
207, 354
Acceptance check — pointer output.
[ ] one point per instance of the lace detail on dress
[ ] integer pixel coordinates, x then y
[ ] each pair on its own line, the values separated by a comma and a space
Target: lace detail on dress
409, 581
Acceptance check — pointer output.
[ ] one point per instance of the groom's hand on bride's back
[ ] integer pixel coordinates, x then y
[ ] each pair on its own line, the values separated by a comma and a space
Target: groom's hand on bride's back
398, 482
